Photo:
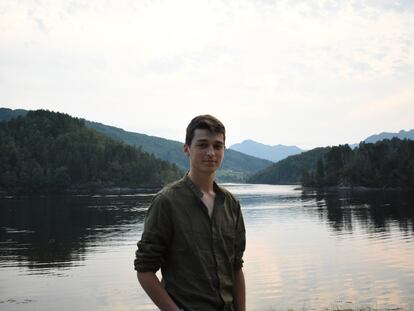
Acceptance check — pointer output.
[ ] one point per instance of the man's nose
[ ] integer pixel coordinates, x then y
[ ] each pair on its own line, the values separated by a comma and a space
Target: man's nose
210, 150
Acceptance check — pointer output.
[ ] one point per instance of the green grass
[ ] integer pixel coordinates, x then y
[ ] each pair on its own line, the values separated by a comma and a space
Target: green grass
341, 307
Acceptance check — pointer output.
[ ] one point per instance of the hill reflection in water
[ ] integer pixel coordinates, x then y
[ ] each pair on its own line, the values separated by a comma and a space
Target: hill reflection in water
305, 249
56, 232
375, 211
318, 250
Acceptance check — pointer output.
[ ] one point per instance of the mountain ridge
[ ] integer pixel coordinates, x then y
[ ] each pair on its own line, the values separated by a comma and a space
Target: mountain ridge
272, 153
236, 166
402, 134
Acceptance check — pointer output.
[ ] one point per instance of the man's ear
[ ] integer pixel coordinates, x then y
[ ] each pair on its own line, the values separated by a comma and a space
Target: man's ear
186, 150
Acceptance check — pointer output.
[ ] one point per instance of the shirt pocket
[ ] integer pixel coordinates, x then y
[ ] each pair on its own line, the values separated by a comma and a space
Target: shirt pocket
229, 242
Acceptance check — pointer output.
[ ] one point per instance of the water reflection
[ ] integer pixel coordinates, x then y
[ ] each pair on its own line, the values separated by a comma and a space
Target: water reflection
55, 232
375, 211
313, 249
305, 250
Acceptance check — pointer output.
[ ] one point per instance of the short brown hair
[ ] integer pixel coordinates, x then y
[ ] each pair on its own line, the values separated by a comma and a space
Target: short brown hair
204, 122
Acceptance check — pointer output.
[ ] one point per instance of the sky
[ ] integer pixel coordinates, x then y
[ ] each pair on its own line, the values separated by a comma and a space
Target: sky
305, 73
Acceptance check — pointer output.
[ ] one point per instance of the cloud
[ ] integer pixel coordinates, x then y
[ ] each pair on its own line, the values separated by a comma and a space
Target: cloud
41, 25
399, 5
395, 105
75, 7
286, 68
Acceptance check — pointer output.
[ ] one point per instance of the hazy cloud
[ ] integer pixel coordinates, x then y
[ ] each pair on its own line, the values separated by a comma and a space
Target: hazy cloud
289, 69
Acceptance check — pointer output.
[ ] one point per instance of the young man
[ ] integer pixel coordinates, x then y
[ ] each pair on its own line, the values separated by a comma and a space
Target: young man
194, 232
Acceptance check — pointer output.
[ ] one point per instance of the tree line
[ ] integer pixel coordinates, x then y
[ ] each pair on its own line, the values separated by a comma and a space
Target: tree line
289, 170
52, 152
384, 164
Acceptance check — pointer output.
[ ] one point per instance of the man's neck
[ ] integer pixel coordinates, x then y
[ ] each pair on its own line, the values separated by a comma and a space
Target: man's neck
203, 182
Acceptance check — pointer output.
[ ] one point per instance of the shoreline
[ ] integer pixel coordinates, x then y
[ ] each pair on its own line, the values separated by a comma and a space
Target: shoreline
118, 190
86, 192
353, 188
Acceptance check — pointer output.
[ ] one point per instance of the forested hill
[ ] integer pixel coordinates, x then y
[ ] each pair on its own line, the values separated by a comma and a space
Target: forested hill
236, 166
384, 164
7, 114
52, 152
165, 149
289, 170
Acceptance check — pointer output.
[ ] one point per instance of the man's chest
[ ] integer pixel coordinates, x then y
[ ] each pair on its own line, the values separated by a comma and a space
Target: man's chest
196, 232
208, 201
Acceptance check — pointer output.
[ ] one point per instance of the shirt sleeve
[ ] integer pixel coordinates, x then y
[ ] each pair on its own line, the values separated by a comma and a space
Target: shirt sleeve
156, 236
240, 240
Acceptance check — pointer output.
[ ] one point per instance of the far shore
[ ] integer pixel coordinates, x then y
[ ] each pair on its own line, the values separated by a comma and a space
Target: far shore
117, 190
352, 188
97, 191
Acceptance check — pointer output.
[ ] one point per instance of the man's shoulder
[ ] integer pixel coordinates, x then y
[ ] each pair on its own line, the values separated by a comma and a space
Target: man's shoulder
228, 195
167, 197
172, 189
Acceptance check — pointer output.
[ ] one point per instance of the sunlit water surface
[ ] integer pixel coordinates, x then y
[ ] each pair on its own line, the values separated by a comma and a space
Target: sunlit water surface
305, 250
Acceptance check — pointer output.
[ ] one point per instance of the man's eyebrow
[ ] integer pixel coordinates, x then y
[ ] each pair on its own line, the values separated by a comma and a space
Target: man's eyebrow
203, 140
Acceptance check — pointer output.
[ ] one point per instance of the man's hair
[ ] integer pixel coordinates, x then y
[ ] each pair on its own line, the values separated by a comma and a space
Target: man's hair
204, 122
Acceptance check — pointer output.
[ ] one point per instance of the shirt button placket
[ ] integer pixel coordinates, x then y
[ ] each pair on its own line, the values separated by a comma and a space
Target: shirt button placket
214, 241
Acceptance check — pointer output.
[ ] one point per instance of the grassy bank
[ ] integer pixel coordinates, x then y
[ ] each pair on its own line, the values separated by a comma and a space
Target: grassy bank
342, 307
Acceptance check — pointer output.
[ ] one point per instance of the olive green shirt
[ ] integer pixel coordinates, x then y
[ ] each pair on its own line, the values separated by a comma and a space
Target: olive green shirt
197, 254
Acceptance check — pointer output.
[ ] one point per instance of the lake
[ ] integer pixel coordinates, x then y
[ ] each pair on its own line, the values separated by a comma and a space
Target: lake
306, 250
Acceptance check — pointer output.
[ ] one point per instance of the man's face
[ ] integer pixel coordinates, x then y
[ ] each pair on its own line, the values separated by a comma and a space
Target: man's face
206, 151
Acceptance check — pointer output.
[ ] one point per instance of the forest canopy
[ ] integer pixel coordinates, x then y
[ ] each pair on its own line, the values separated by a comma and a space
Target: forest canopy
52, 152
384, 164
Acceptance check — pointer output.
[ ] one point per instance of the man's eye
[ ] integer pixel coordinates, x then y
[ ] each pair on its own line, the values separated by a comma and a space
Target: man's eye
218, 147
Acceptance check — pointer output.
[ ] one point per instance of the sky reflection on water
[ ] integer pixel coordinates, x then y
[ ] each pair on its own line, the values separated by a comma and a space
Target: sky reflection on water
306, 249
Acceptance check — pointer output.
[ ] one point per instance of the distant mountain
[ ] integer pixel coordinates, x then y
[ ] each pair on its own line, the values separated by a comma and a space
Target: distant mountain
272, 153
387, 135
236, 166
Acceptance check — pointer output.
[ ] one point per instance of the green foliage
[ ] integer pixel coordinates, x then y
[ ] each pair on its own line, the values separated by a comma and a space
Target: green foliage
52, 152
231, 176
236, 166
168, 150
289, 170
384, 164
241, 163
7, 114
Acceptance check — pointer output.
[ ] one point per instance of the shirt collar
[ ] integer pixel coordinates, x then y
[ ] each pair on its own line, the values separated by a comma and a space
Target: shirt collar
198, 192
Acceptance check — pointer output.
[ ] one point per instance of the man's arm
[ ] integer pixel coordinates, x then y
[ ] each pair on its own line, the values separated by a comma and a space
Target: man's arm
239, 285
154, 289
239, 291
151, 249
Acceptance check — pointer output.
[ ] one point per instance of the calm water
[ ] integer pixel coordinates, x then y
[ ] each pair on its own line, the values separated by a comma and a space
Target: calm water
306, 250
